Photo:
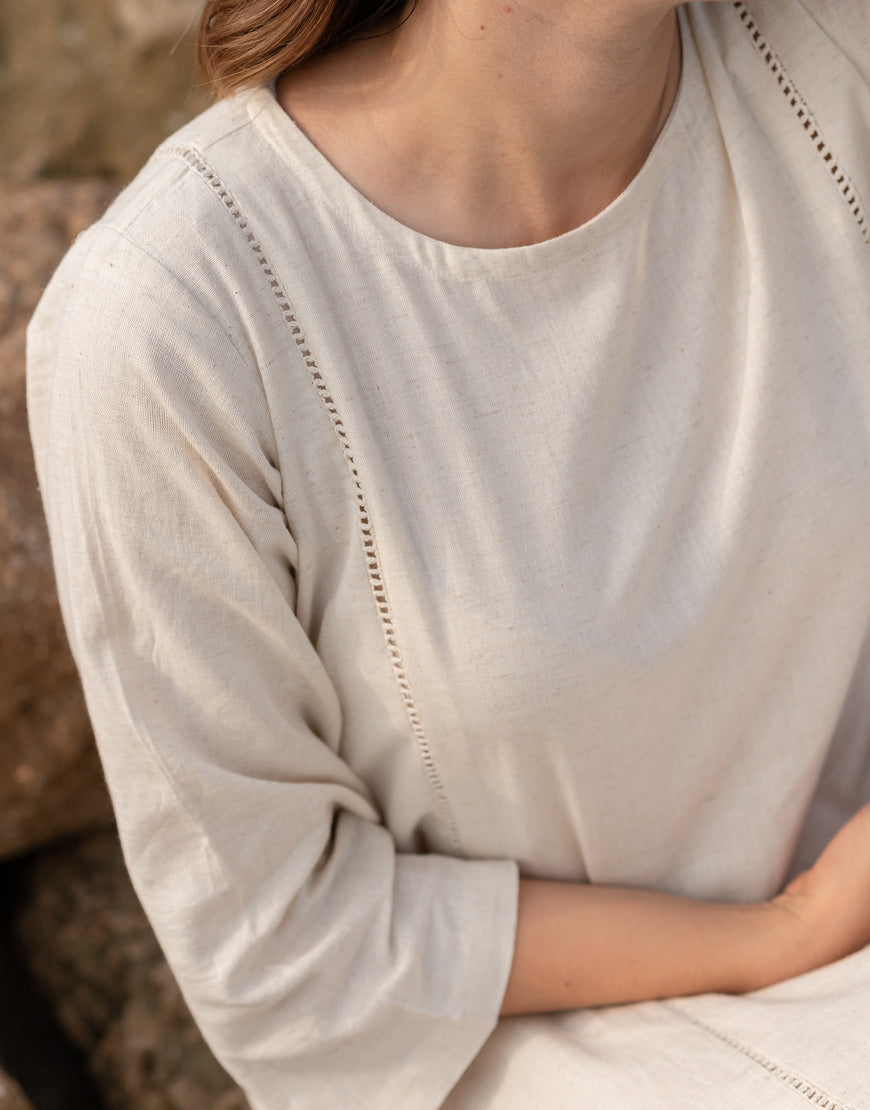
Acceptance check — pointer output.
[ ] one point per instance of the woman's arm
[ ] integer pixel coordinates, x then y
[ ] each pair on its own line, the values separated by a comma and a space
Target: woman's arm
598, 945
325, 968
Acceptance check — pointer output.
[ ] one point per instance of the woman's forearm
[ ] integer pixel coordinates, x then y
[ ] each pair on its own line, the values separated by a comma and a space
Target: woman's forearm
582, 945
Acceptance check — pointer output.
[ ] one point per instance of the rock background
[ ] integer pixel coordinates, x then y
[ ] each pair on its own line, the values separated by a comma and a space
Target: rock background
90, 1017
50, 782
95, 958
91, 86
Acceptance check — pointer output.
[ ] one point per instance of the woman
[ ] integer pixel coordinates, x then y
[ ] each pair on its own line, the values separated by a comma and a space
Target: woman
455, 449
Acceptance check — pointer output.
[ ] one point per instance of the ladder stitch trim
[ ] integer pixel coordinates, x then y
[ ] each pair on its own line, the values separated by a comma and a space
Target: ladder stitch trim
805, 117
366, 531
810, 1091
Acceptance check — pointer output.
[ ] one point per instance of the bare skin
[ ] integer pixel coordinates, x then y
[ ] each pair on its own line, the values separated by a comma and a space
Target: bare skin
595, 945
500, 123
493, 123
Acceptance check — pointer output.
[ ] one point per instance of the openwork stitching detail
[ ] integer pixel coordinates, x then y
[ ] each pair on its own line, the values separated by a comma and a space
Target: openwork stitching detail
810, 1091
805, 116
366, 531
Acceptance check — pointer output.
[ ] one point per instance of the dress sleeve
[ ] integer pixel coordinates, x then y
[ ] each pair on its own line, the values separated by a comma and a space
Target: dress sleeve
324, 968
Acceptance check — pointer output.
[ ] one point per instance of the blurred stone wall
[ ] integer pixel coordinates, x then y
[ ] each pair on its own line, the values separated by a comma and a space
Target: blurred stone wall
90, 1018
91, 86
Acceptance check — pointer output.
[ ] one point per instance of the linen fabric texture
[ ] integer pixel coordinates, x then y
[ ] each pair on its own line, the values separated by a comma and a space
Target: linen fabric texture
394, 569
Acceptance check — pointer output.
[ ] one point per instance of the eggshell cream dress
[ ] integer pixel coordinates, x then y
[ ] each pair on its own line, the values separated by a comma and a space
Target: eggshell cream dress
395, 569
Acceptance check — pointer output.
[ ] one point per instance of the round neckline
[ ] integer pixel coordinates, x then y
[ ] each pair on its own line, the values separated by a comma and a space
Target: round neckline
330, 190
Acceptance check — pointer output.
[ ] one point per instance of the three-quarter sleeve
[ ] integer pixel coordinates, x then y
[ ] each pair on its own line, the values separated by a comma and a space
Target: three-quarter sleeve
325, 968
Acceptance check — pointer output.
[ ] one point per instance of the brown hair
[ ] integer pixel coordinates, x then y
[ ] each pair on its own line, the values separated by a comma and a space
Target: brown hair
249, 42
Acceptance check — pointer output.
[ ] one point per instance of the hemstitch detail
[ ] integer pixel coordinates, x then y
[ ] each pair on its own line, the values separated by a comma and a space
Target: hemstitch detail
804, 115
810, 1091
366, 531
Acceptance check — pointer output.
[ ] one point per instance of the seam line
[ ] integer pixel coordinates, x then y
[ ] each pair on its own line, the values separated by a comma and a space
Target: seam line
810, 1091
366, 531
805, 117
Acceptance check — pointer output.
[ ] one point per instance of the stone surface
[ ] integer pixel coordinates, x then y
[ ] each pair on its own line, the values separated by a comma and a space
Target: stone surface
33, 1049
50, 781
85, 937
11, 1095
92, 951
91, 86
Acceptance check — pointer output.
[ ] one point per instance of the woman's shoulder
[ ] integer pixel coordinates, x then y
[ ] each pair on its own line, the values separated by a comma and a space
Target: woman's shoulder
821, 32
160, 291
176, 226
196, 215
179, 195
819, 53
804, 66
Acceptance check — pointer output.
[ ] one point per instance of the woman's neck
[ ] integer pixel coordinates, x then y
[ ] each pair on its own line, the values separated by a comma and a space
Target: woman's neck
495, 123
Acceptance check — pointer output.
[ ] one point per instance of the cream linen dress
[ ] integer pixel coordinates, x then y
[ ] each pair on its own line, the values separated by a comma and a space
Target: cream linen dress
396, 569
